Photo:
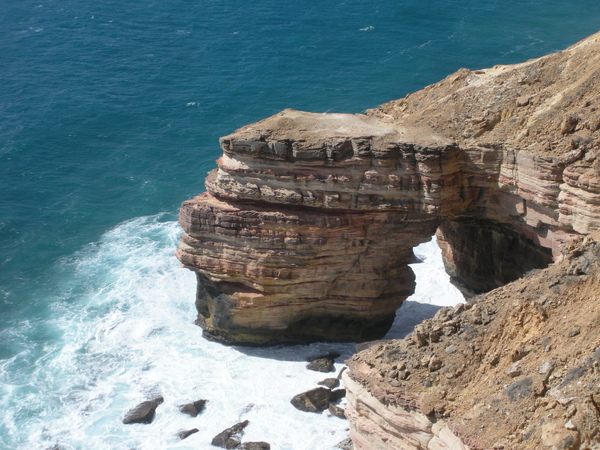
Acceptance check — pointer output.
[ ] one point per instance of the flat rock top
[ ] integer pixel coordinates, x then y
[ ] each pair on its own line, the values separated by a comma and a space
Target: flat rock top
548, 106
315, 128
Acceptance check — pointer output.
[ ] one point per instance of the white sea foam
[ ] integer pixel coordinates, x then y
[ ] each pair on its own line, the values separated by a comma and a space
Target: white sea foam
433, 291
125, 320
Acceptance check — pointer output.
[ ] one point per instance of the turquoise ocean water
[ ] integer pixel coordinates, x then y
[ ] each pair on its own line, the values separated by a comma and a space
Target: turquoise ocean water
110, 114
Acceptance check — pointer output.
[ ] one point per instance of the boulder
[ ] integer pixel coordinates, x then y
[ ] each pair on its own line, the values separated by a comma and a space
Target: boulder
346, 444
194, 408
186, 433
330, 383
338, 394
315, 400
336, 411
230, 438
255, 446
144, 412
323, 363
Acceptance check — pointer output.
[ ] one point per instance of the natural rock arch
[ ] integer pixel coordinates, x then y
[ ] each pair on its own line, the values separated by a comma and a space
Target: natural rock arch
309, 221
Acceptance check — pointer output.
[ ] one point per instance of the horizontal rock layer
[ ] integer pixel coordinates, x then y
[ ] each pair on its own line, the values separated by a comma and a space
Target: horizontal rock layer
296, 275
309, 220
374, 424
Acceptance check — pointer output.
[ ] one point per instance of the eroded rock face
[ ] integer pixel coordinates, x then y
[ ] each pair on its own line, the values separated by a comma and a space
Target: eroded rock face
267, 275
309, 221
481, 255
517, 369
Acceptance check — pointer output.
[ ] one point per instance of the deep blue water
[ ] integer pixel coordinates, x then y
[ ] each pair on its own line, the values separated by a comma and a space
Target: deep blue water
110, 113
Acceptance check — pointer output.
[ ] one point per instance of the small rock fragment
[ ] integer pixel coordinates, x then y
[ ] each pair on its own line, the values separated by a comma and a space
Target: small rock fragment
230, 438
194, 408
546, 367
574, 332
186, 433
255, 446
568, 124
435, 364
560, 397
514, 370
519, 389
520, 353
451, 349
336, 411
330, 383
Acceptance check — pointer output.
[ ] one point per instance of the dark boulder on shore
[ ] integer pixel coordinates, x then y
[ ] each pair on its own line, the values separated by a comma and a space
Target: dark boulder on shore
255, 446
323, 363
330, 383
231, 438
315, 400
144, 412
336, 411
338, 394
346, 444
186, 433
194, 408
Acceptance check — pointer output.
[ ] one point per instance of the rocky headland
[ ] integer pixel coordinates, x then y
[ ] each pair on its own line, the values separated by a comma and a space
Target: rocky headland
308, 224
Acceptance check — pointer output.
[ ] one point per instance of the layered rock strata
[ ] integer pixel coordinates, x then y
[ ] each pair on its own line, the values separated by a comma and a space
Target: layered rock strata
308, 223
517, 369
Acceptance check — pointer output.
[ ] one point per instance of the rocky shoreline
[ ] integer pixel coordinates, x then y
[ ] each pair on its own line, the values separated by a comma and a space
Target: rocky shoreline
327, 397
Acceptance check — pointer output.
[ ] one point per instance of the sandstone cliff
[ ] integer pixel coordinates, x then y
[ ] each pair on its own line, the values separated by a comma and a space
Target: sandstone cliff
308, 224
517, 368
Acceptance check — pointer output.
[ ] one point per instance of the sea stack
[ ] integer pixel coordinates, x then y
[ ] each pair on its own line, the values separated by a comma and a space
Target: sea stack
307, 227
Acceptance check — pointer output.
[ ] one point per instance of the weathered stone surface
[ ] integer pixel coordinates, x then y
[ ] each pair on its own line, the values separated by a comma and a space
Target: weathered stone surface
374, 424
314, 400
187, 433
230, 438
330, 383
144, 412
267, 276
467, 245
255, 446
323, 363
309, 221
194, 408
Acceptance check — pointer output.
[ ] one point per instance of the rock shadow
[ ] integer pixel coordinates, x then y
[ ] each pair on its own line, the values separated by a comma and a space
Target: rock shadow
410, 314
306, 352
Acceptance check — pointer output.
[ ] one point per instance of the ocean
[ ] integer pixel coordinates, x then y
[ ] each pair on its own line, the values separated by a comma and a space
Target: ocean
110, 114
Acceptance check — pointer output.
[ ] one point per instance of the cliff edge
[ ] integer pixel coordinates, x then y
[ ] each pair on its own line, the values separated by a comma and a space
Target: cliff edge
308, 223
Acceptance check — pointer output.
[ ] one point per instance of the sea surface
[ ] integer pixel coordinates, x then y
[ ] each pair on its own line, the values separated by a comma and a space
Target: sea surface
110, 114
